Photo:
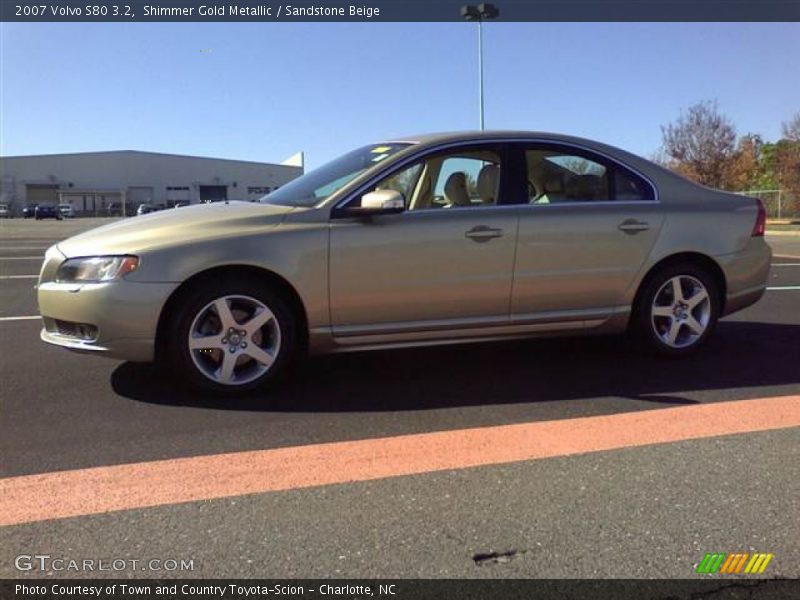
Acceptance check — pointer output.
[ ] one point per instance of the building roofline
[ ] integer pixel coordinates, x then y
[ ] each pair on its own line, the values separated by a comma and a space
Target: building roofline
146, 152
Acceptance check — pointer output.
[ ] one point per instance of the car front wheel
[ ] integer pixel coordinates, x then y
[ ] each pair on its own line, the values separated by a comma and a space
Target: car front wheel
678, 310
232, 337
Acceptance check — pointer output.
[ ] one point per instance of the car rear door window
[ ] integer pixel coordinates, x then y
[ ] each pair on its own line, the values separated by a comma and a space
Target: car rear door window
559, 175
630, 187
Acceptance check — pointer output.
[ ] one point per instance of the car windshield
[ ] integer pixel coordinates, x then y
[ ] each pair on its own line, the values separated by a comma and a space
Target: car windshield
313, 187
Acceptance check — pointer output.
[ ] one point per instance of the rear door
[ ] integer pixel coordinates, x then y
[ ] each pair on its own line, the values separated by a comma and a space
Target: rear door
584, 234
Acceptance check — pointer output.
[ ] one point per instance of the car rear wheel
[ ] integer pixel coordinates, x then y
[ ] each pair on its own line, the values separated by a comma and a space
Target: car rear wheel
677, 310
232, 337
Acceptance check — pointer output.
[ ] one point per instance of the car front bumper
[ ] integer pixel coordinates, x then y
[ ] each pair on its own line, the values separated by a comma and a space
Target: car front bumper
117, 319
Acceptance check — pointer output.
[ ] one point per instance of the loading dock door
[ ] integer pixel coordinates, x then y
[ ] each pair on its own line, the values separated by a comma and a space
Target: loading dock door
41, 193
140, 195
213, 193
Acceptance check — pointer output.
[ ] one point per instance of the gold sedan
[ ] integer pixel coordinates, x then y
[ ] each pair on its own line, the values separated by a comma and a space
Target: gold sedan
430, 240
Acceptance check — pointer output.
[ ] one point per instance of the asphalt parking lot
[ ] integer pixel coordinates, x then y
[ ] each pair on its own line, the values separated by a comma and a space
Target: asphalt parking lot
643, 505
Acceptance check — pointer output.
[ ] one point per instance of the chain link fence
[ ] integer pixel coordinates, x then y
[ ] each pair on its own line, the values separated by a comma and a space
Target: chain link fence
780, 204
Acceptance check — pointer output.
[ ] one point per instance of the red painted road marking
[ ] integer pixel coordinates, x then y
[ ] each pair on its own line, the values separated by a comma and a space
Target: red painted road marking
103, 489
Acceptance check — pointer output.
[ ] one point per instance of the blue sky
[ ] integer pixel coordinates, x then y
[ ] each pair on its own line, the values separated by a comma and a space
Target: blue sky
264, 91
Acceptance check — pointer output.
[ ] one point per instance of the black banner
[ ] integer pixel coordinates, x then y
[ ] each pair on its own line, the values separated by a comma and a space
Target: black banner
718, 588
395, 10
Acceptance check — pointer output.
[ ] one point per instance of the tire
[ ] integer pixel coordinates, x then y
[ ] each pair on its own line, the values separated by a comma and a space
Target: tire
672, 326
242, 354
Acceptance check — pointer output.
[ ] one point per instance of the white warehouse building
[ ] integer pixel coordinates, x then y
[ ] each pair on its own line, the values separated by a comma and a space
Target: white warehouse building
102, 183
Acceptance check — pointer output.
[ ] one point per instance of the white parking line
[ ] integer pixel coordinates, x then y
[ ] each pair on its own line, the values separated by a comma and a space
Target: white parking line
20, 318
21, 257
786, 264
19, 277
783, 288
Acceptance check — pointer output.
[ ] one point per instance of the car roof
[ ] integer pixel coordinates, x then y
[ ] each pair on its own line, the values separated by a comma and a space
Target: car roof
448, 136
510, 135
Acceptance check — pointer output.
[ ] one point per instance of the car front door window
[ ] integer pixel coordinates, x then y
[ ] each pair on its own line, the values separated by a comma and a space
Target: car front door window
465, 178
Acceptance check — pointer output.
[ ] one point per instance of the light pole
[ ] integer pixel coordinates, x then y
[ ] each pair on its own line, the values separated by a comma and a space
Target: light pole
480, 13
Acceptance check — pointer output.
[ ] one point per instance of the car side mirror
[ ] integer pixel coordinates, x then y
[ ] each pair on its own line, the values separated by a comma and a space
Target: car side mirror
379, 202
391, 200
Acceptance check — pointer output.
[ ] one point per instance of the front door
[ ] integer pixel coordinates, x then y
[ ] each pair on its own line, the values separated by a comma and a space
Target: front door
443, 264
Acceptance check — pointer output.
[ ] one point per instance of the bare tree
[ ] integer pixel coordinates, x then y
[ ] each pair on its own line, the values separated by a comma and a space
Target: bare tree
701, 144
791, 128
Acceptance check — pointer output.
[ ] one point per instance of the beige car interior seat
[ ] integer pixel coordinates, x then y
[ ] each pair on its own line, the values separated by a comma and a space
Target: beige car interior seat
455, 190
489, 183
552, 191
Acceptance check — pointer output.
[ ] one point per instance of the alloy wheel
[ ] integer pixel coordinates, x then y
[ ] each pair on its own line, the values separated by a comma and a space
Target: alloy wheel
234, 340
681, 311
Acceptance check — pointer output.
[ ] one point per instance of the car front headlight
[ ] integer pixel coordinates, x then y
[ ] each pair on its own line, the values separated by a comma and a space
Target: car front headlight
96, 269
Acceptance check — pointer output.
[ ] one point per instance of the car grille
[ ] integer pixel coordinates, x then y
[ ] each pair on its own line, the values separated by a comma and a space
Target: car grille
79, 331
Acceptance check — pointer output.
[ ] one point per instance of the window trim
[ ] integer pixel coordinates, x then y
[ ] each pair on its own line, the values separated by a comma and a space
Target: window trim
508, 144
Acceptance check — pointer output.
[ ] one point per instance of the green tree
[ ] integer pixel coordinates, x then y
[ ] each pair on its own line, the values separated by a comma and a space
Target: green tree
743, 170
786, 163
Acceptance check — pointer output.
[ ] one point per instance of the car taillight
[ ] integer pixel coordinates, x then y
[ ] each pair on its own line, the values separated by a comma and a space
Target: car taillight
761, 220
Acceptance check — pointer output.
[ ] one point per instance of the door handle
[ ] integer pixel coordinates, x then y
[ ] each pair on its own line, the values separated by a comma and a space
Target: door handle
482, 233
632, 226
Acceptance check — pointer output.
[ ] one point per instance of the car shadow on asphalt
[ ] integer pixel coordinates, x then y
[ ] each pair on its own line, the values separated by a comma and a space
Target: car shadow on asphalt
740, 355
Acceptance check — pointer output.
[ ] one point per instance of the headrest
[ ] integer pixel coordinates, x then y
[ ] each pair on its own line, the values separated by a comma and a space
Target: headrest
455, 189
553, 185
583, 187
488, 182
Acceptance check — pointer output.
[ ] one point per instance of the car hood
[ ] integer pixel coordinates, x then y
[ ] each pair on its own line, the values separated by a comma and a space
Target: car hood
173, 227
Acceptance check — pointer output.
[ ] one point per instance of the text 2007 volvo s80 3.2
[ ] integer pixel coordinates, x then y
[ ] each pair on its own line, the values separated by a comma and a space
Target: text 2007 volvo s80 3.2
428, 240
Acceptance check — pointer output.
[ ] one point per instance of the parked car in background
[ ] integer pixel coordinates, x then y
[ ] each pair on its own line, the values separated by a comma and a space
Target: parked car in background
66, 211
29, 211
47, 211
4, 212
147, 208
430, 240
